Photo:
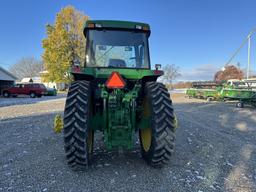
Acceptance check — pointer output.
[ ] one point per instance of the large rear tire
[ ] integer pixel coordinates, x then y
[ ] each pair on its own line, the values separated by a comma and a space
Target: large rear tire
78, 137
157, 141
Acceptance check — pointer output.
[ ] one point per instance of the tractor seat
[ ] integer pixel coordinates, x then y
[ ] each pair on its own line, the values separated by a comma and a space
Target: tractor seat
116, 63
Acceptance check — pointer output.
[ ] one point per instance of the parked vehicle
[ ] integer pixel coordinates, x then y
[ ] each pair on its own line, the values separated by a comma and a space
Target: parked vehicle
50, 92
31, 89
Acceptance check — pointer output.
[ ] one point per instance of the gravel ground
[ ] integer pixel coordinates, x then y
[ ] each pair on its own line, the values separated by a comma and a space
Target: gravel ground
22, 100
215, 151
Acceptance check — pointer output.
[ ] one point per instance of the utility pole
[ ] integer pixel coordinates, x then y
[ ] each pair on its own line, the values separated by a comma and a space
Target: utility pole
246, 40
249, 56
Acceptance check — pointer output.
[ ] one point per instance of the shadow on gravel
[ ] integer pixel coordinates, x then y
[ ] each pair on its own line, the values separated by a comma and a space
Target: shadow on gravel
220, 142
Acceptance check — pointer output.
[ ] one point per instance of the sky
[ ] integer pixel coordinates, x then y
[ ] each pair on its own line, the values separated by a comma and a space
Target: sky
199, 36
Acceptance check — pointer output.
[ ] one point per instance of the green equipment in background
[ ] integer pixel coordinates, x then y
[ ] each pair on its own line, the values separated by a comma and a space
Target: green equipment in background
242, 94
115, 92
208, 90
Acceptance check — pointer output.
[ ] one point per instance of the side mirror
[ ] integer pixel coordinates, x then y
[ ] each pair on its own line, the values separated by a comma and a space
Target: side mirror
158, 66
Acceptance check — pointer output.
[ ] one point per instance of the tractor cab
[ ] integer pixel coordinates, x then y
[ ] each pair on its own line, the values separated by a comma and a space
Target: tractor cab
117, 44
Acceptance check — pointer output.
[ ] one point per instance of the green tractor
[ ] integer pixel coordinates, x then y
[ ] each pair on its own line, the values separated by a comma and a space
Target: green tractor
116, 92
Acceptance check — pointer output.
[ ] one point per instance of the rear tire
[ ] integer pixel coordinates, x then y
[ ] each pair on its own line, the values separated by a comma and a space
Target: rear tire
6, 94
32, 95
157, 141
78, 137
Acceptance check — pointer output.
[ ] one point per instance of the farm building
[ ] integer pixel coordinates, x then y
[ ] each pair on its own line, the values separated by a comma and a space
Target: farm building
6, 79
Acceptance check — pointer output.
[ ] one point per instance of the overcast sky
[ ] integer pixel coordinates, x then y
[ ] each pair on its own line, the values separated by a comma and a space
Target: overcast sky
199, 35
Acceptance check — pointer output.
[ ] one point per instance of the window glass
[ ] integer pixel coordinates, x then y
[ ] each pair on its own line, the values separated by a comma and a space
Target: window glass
123, 49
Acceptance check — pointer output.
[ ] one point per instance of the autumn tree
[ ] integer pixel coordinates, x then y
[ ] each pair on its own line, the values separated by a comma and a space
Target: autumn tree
229, 72
64, 44
27, 67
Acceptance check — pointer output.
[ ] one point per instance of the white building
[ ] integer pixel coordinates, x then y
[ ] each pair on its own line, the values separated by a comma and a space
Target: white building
6, 79
59, 86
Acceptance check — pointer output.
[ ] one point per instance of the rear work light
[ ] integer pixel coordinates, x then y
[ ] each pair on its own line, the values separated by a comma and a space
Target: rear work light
94, 25
115, 81
91, 25
138, 27
98, 25
144, 28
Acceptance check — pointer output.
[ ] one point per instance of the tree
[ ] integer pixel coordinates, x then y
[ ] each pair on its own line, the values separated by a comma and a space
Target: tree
171, 72
229, 72
27, 67
64, 44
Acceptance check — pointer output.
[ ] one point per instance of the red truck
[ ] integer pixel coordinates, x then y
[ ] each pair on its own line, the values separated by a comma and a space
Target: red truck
31, 89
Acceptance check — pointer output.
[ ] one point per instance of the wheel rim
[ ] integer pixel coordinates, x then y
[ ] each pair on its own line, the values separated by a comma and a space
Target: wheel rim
146, 134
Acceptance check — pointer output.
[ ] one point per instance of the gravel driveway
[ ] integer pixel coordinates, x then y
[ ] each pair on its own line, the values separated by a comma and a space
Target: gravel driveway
22, 100
215, 151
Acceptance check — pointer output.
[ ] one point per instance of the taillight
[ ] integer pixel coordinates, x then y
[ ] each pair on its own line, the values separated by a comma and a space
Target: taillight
76, 69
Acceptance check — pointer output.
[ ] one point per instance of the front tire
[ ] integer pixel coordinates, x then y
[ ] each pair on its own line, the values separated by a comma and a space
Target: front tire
78, 137
157, 141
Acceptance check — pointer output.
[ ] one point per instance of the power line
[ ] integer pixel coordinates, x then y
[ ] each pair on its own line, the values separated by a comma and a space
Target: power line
247, 40
237, 51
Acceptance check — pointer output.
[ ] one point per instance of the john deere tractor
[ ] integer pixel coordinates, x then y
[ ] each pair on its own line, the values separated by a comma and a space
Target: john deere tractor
116, 92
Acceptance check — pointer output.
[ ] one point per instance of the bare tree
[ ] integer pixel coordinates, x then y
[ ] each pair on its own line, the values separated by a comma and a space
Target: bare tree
171, 72
27, 67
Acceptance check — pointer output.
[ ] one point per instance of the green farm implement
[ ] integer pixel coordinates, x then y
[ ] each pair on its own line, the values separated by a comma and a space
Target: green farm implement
115, 92
243, 95
204, 90
208, 94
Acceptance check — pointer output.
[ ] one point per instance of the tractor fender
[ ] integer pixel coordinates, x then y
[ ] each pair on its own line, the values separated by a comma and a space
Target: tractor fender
80, 76
149, 78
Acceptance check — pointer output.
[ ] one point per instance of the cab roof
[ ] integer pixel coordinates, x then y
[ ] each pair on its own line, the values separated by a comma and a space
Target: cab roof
115, 24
